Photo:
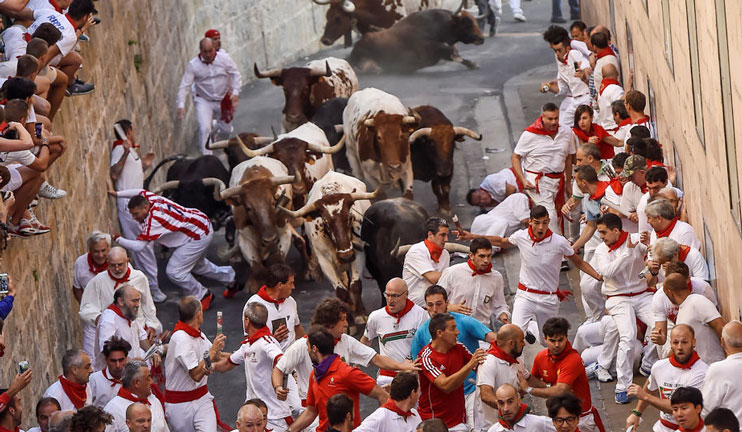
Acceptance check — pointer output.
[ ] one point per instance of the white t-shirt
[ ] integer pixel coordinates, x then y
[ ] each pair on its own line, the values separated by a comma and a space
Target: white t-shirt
82, 273
483, 293
102, 387
258, 358
185, 353
665, 310
496, 184
395, 335
610, 94
682, 233
666, 378
697, 311
111, 324
384, 420
15, 44
721, 388
569, 84
598, 72
630, 197
541, 153
9, 68
417, 262
57, 392
495, 372
529, 423
132, 176
540, 262
286, 311
504, 219
117, 408
60, 21
621, 267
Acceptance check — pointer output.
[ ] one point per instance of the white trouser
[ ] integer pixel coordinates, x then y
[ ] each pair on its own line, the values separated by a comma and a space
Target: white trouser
470, 401
143, 260
277, 424
194, 416
496, 6
383, 380
88, 339
568, 107
189, 259
592, 299
587, 423
547, 190
625, 311
588, 335
206, 111
526, 307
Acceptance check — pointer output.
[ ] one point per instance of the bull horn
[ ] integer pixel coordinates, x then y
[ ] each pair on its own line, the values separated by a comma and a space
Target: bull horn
322, 2
326, 73
272, 73
422, 132
400, 251
253, 153
229, 192
338, 128
349, 6
368, 122
456, 247
463, 4
216, 183
458, 130
324, 149
282, 180
218, 145
301, 212
166, 186
414, 117
275, 135
366, 195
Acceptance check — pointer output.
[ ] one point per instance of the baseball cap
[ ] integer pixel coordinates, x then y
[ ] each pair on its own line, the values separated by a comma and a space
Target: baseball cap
633, 164
211, 33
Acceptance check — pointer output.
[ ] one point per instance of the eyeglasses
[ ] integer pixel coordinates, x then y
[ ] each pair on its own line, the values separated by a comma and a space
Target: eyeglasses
559, 421
393, 296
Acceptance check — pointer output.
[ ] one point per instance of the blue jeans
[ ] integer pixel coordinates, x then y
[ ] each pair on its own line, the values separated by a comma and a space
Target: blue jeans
556, 8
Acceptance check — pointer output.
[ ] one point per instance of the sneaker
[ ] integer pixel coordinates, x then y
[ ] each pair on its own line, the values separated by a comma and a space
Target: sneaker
37, 226
50, 192
158, 296
79, 87
602, 374
622, 398
530, 338
206, 301
590, 370
24, 229
644, 371
231, 290
84, 38
558, 20
519, 17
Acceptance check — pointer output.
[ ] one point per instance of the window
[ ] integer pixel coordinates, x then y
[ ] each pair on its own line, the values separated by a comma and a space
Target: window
668, 34
613, 19
678, 167
727, 110
652, 110
708, 246
630, 50
695, 69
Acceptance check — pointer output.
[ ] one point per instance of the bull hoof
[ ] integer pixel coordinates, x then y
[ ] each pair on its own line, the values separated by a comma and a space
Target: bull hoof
361, 319
470, 64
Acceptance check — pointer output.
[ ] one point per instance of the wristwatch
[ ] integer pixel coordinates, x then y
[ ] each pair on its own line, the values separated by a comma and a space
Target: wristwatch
529, 390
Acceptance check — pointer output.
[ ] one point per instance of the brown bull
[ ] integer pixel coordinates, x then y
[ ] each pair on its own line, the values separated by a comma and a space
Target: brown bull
365, 16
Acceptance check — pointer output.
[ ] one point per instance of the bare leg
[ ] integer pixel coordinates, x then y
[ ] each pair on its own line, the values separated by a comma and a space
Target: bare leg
32, 181
56, 93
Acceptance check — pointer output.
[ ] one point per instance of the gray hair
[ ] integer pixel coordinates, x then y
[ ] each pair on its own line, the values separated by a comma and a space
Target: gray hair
97, 236
60, 421
257, 314
670, 190
132, 371
71, 358
731, 339
665, 247
660, 208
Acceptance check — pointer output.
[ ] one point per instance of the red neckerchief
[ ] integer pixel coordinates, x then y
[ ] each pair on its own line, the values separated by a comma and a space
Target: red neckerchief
695, 429
122, 279
621, 240
257, 335
566, 56
205, 62
603, 52
391, 406
666, 232
606, 82
192, 332
595, 130
651, 163
522, 411
69, 18
477, 272
535, 240
538, 128
614, 183
17, 429
262, 293
683, 252
337, 340
94, 268
76, 392
407, 307
502, 355
644, 188
434, 249
113, 380
55, 6
121, 142
117, 310
642, 120
126, 394
557, 358
625, 122
687, 365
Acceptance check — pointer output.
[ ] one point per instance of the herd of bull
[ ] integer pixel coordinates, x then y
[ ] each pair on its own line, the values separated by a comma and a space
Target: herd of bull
313, 178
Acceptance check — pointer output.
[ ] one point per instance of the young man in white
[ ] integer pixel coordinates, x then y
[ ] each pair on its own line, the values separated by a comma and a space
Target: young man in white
620, 259
604, 56
610, 91
426, 260
136, 388
283, 314
259, 354
398, 414
541, 253
474, 288
698, 312
514, 416
119, 320
87, 266
655, 179
71, 390
394, 325
661, 216
684, 368
189, 404
106, 382
502, 365
215, 79
722, 388
542, 161
635, 102
127, 172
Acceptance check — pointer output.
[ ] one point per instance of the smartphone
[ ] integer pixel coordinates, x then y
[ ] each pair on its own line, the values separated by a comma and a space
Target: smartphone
96, 20
39, 128
23, 367
577, 66
3, 284
276, 323
285, 383
207, 360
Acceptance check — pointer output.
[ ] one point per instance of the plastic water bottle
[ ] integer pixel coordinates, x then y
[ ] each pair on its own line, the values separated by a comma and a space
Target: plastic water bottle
219, 322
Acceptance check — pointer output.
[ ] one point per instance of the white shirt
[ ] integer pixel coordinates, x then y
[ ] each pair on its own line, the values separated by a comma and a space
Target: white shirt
569, 84
697, 264
111, 324
529, 423
697, 311
667, 378
665, 310
286, 310
630, 197
598, 72
82, 273
621, 267
540, 262
483, 293
503, 220
57, 392
102, 387
210, 81
541, 153
15, 45
395, 335
117, 408
495, 372
682, 233
185, 353
417, 262
641, 214
132, 175
722, 388
258, 358
60, 21
496, 184
384, 420
9, 68
611, 93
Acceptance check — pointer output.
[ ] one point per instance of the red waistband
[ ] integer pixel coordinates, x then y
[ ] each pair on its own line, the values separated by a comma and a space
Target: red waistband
535, 291
304, 403
550, 175
172, 396
384, 372
669, 425
634, 294
289, 420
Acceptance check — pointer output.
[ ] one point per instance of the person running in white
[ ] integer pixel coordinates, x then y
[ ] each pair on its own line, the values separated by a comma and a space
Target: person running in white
425, 261
186, 230
127, 172
88, 265
106, 382
136, 388
722, 388
216, 82
398, 414
395, 326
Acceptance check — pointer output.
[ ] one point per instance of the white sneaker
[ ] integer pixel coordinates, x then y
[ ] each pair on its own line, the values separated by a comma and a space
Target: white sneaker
158, 296
603, 375
519, 17
50, 192
37, 226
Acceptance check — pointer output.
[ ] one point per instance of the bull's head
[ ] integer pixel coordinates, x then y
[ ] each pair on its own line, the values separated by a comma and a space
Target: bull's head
336, 219
440, 140
234, 150
390, 134
297, 88
465, 28
340, 19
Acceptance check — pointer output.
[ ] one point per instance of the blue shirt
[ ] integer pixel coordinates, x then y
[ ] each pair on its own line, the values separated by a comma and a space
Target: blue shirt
471, 332
6, 305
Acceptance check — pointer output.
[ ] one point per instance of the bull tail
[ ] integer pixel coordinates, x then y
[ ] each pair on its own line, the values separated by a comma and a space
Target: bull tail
151, 175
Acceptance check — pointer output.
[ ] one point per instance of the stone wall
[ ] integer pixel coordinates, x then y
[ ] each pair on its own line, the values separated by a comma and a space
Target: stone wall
136, 58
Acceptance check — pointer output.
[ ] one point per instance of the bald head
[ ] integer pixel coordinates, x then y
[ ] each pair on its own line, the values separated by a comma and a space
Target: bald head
248, 418
600, 28
731, 336
138, 417
396, 295
206, 44
506, 391
397, 284
508, 332
609, 71
683, 330
117, 253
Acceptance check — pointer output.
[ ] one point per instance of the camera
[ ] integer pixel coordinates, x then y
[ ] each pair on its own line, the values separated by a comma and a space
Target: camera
96, 20
11, 134
23, 366
3, 284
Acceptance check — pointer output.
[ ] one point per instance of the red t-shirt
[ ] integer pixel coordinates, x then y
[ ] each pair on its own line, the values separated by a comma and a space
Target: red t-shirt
434, 403
339, 378
565, 368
